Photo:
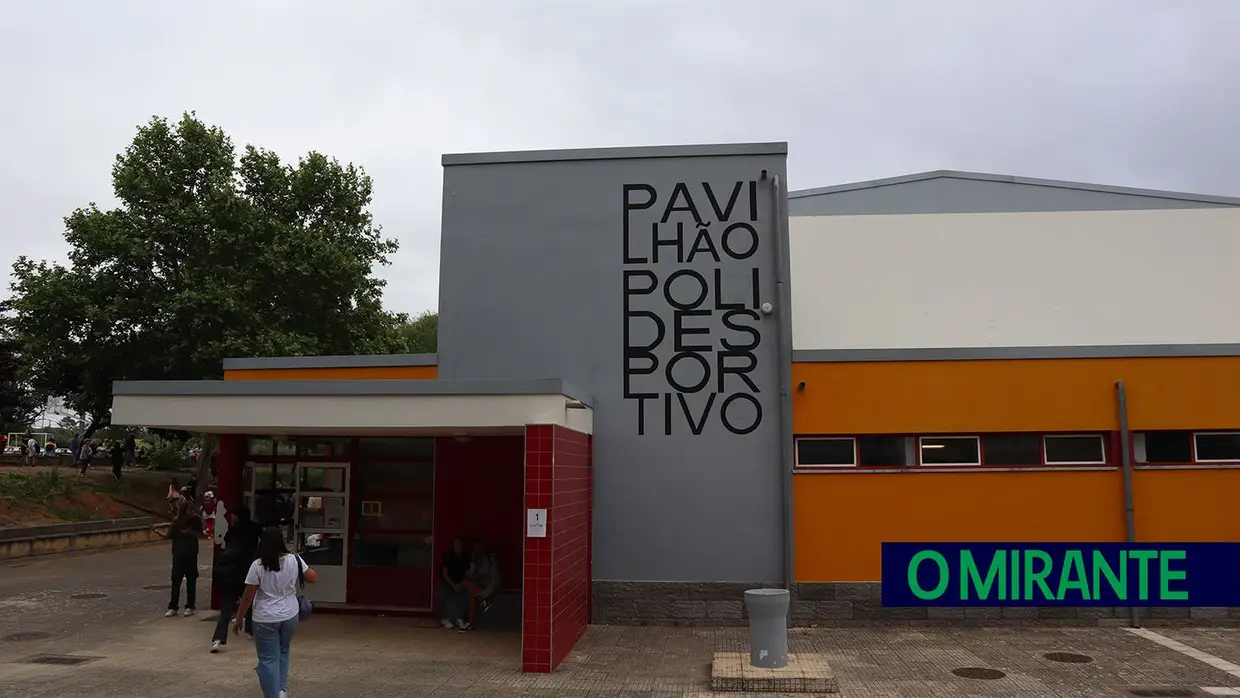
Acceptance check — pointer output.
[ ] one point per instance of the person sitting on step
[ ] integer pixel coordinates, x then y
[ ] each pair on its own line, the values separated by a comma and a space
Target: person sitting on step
482, 580
454, 597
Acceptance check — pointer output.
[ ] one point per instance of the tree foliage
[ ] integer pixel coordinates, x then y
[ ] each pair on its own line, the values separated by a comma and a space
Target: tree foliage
206, 256
19, 402
421, 333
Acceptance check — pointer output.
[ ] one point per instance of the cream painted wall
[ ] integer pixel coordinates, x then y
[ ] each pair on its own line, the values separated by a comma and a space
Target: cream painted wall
345, 414
1016, 279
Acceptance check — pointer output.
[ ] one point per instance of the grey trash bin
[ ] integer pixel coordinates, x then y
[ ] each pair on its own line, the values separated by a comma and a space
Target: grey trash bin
768, 627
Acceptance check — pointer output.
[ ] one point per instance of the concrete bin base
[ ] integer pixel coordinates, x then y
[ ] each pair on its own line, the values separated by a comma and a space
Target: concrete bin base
731, 672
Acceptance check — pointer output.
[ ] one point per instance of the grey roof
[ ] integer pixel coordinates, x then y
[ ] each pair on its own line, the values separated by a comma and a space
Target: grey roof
1117, 351
625, 153
359, 361
1011, 179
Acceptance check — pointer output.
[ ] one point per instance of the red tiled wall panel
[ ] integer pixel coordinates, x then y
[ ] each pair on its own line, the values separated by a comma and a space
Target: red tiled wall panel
536, 592
569, 524
557, 568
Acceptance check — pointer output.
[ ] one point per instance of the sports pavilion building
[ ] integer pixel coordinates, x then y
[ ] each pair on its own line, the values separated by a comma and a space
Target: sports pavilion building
662, 379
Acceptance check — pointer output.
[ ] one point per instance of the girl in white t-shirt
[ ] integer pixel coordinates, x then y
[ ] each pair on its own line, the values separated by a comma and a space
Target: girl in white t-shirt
271, 587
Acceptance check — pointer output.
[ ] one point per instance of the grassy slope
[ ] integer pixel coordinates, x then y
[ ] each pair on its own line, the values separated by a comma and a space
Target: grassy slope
39, 496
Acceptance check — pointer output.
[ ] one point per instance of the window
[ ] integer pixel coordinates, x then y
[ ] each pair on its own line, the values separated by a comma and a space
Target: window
1012, 449
1214, 447
1164, 447
826, 453
260, 447
884, 451
323, 448
950, 450
1075, 450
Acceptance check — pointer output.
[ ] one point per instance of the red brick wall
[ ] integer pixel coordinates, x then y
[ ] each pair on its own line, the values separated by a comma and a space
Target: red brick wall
557, 568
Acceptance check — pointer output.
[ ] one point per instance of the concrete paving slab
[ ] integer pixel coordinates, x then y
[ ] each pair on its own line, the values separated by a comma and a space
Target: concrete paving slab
732, 672
145, 655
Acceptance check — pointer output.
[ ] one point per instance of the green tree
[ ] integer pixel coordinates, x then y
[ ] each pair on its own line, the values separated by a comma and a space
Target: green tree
19, 403
207, 256
421, 333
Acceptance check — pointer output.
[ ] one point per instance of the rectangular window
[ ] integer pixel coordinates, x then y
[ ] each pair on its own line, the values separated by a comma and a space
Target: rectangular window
884, 451
1012, 449
826, 453
1075, 450
260, 447
950, 450
323, 448
1164, 447
1216, 447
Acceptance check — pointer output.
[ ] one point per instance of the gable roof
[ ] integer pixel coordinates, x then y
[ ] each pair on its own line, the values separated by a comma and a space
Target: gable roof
1207, 199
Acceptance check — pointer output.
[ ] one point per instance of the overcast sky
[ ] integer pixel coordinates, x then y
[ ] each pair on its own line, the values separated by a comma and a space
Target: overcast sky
1124, 92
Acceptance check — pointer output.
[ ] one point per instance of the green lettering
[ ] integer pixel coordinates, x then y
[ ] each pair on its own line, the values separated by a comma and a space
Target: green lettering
1072, 576
1015, 593
1102, 568
1167, 575
970, 576
944, 575
1143, 557
1037, 577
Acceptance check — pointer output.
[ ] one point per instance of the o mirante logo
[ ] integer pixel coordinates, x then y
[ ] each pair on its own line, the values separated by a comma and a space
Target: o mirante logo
1061, 574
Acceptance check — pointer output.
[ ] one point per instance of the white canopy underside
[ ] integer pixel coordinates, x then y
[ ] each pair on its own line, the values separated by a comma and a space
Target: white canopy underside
349, 414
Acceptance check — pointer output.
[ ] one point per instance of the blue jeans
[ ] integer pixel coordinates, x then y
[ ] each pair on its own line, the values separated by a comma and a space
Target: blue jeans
272, 640
453, 603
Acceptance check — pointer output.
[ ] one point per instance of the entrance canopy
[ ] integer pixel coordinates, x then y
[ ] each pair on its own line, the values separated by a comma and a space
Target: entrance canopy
351, 407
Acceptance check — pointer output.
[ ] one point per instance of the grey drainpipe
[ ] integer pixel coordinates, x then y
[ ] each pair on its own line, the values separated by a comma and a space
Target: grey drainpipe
1121, 399
784, 310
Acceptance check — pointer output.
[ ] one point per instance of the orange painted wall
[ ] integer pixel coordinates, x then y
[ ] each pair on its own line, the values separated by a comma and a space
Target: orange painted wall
841, 520
1015, 395
1186, 505
324, 374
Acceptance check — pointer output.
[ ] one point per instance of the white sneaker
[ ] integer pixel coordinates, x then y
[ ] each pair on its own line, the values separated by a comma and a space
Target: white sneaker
463, 625
189, 612
172, 613
215, 646
283, 694
446, 623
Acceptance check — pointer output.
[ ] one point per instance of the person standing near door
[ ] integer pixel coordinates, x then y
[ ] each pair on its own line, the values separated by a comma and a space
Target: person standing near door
185, 531
229, 572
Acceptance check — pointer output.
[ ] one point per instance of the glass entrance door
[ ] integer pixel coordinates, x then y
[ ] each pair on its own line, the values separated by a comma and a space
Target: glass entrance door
321, 527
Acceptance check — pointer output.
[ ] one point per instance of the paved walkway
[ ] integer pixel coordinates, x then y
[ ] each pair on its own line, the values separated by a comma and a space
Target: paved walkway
134, 652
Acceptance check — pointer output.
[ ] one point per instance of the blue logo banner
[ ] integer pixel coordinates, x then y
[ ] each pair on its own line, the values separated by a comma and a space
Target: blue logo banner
1061, 574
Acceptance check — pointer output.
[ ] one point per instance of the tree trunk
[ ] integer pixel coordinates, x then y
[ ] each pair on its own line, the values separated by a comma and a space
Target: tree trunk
203, 476
95, 424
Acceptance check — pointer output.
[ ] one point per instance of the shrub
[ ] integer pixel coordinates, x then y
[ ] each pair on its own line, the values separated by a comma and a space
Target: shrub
167, 454
39, 487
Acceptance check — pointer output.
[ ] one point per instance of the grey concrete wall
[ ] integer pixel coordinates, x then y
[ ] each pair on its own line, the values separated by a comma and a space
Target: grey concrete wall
947, 194
844, 604
549, 269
